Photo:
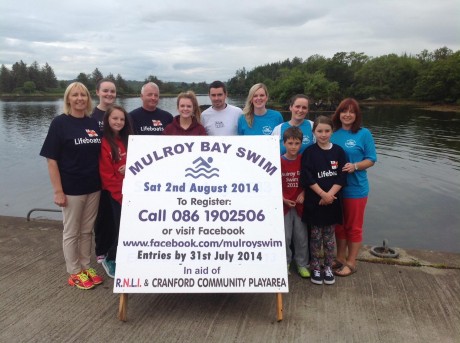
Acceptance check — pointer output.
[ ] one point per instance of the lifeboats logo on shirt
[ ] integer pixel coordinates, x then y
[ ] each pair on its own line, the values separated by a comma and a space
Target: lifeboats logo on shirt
350, 143
218, 124
94, 138
157, 123
267, 130
334, 164
91, 133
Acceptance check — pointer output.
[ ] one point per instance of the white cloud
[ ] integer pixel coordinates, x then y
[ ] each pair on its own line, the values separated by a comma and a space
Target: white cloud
206, 40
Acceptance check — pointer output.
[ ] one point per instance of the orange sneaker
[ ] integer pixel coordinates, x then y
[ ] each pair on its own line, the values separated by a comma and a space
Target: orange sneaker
80, 280
92, 275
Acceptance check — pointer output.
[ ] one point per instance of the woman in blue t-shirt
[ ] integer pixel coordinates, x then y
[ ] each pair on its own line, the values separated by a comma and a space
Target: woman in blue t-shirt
256, 118
298, 106
72, 148
359, 147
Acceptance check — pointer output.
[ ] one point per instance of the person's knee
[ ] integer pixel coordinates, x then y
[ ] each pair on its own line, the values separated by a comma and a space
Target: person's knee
340, 232
355, 235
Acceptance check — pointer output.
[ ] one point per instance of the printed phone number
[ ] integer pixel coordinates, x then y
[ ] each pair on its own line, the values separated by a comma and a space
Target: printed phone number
194, 216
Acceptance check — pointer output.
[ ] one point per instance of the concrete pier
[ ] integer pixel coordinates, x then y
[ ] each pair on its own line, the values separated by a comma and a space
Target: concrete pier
415, 298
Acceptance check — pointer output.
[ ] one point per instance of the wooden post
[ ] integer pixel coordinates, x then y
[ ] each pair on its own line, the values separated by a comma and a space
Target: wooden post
123, 307
279, 307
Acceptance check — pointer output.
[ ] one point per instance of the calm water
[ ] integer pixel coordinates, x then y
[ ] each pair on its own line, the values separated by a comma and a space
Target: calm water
415, 186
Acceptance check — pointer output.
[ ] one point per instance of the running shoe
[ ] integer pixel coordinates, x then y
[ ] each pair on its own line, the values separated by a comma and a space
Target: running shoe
317, 277
80, 280
109, 266
329, 278
303, 272
92, 275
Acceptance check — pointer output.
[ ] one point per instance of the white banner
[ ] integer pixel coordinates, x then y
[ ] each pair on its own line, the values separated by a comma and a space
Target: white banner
202, 215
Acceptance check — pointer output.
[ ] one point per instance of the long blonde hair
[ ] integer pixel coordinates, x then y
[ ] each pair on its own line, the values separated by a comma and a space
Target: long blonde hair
196, 108
248, 109
72, 86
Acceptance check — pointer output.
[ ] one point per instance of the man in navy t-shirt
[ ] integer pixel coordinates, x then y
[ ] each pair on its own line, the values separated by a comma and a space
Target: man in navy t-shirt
149, 119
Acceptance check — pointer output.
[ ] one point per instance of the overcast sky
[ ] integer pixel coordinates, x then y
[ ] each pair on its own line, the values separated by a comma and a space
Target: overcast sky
204, 40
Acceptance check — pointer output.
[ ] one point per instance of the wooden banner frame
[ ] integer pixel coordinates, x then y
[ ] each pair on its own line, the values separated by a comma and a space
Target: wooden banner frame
123, 307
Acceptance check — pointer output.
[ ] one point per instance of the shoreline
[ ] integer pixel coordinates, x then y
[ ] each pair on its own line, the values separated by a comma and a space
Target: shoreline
424, 105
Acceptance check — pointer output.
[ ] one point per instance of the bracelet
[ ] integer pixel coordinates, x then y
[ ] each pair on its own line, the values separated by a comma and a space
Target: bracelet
356, 166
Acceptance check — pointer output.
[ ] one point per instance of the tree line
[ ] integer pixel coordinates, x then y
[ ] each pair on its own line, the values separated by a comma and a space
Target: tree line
432, 76
24, 79
27, 79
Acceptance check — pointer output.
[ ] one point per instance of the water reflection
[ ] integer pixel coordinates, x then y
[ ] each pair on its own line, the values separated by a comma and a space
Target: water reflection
414, 200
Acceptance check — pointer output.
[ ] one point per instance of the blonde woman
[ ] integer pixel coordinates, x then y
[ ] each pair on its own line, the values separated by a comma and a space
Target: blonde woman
72, 148
256, 118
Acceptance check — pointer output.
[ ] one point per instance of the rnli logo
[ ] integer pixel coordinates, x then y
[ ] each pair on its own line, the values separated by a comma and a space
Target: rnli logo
350, 143
157, 123
267, 130
91, 133
306, 140
334, 164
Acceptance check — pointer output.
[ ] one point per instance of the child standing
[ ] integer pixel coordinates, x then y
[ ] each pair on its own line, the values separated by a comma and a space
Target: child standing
112, 163
104, 225
293, 196
322, 178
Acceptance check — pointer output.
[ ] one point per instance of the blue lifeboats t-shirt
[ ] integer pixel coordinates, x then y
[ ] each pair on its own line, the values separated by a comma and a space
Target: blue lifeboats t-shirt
358, 146
75, 144
307, 129
262, 125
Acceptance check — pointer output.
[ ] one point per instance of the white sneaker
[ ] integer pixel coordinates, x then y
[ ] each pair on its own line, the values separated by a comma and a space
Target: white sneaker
329, 278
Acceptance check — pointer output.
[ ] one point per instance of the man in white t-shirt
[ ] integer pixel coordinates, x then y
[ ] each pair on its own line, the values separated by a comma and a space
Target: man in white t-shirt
221, 119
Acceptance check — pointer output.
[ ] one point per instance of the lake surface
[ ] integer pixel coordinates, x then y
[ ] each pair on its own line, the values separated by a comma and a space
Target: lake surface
415, 185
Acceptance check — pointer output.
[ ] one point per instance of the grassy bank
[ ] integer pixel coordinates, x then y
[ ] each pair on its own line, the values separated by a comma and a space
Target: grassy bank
425, 105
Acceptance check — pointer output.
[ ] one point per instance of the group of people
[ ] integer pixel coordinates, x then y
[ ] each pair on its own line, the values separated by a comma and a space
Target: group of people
86, 152
325, 188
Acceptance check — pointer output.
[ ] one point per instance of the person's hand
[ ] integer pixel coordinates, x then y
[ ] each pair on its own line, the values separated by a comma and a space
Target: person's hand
300, 198
60, 199
349, 168
290, 203
327, 198
122, 169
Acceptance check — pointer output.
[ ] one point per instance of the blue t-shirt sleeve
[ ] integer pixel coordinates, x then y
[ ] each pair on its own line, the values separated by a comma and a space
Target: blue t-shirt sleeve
52, 145
370, 152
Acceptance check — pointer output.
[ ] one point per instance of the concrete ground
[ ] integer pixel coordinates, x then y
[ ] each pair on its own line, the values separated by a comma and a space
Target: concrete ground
415, 300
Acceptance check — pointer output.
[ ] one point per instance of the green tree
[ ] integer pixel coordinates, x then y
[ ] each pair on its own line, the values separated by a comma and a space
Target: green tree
20, 74
291, 82
440, 80
83, 78
442, 53
315, 63
6, 80
96, 75
34, 72
122, 86
29, 87
388, 76
237, 84
48, 76
319, 87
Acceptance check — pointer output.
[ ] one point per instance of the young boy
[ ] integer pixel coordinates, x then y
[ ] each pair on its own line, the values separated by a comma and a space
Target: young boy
295, 230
